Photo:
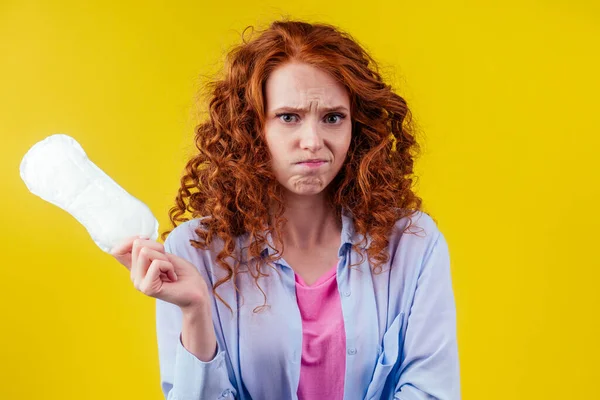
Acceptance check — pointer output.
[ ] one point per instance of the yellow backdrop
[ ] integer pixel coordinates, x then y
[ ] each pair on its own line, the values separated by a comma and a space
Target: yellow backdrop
506, 95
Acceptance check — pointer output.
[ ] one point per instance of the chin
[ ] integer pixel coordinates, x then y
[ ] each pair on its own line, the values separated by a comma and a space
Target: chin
309, 192
306, 189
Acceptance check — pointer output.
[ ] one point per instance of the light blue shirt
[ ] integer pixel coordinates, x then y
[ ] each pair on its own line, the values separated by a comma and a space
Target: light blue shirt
400, 324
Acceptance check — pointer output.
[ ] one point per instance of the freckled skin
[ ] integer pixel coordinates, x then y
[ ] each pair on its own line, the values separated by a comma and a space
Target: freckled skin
310, 133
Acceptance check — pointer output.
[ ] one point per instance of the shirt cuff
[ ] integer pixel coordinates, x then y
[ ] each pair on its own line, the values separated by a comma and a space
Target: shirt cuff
195, 379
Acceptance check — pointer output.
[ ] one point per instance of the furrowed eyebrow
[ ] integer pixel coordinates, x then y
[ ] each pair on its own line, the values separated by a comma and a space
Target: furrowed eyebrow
304, 110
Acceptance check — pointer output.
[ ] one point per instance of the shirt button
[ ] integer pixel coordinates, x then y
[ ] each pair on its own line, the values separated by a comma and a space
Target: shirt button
225, 393
346, 293
352, 351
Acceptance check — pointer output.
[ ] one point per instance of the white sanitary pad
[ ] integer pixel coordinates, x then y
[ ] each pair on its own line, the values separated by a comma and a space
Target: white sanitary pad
58, 170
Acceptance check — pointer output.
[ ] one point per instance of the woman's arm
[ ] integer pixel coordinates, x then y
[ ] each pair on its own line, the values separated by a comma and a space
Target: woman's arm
192, 364
429, 366
198, 334
183, 374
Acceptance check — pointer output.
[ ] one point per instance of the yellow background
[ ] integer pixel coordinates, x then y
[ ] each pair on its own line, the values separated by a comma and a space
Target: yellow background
506, 95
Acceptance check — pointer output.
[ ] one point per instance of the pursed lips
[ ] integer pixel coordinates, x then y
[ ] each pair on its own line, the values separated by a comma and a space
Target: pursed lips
312, 161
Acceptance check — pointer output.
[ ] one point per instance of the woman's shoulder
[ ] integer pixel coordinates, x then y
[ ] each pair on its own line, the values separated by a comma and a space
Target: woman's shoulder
417, 222
411, 245
179, 240
415, 233
186, 228
180, 236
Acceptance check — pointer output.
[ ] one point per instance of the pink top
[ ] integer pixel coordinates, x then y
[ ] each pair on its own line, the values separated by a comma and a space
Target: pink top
323, 339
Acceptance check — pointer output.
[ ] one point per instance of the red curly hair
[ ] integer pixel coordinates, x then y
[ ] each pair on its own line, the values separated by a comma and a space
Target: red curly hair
230, 179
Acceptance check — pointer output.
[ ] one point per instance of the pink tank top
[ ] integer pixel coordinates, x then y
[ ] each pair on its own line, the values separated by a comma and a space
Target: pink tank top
323, 339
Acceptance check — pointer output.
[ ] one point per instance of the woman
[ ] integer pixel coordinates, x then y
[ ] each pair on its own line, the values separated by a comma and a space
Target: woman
297, 275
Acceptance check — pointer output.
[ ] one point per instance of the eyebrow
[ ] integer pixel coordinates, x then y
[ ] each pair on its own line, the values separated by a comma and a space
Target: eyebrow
303, 109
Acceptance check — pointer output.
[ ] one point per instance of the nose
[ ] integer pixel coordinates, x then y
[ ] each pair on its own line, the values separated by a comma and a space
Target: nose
310, 137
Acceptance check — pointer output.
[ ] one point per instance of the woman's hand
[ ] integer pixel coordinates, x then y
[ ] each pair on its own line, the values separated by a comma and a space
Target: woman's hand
165, 276
162, 275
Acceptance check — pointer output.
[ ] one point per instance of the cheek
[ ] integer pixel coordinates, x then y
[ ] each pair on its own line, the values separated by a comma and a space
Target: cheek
274, 143
342, 146
277, 151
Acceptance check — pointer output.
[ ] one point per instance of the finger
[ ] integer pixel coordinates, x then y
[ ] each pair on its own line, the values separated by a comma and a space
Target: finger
122, 252
138, 243
153, 244
166, 277
145, 257
135, 251
152, 282
169, 276
172, 275
123, 247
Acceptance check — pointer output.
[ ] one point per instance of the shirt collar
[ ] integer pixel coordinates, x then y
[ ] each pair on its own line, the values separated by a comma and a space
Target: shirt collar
348, 237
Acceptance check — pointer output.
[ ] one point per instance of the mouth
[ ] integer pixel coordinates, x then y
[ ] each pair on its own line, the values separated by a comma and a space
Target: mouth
312, 161
317, 162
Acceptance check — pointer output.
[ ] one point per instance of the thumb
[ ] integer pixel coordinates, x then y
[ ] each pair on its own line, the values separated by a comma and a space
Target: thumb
180, 263
173, 258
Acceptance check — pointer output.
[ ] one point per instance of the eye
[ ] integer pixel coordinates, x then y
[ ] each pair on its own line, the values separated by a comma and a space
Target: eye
287, 118
334, 118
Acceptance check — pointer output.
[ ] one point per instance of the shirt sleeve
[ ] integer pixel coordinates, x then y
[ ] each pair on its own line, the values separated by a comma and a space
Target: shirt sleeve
183, 376
429, 366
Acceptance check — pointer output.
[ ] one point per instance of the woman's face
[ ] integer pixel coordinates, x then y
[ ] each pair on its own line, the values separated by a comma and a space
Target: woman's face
307, 118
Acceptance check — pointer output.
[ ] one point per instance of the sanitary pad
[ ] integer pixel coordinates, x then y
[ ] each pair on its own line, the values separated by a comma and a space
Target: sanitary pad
60, 172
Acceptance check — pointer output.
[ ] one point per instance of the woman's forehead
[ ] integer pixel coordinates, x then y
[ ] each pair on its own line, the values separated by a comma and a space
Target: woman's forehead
303, 92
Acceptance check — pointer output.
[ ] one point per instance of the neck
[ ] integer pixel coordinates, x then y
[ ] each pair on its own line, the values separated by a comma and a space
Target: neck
311, 222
